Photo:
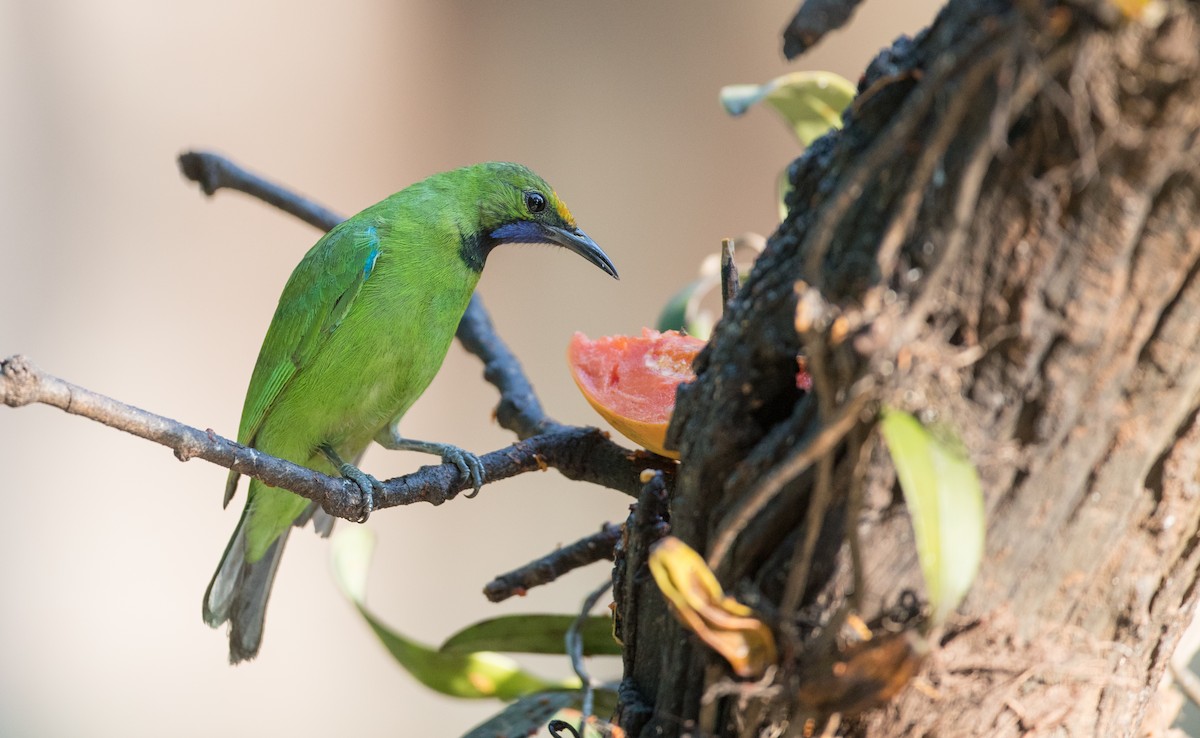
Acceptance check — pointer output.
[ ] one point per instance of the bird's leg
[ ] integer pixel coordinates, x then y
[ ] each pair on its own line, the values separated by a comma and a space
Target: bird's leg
469, 465
367, 484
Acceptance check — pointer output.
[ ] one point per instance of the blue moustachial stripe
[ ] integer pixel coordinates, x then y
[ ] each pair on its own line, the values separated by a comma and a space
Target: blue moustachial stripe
521, 231
341, 364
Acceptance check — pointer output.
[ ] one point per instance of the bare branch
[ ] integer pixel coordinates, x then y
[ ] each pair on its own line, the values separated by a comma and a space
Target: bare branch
582, 454
21, 383
214, 172
553, 565
519, 409
812, 21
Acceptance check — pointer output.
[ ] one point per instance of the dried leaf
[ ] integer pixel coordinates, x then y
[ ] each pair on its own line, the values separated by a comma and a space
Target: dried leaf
867, 674
726, 625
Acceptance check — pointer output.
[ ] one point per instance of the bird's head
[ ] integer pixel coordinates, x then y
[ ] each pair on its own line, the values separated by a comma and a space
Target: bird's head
517, 206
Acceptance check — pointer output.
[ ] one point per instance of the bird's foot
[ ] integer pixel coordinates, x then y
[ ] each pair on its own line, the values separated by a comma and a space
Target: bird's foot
367, 484
470, 468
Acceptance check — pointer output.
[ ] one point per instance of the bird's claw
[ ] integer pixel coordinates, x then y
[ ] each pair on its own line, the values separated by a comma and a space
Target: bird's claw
367, 485
470, 468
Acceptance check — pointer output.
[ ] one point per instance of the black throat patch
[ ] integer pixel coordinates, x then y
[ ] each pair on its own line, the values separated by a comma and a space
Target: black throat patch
474, 249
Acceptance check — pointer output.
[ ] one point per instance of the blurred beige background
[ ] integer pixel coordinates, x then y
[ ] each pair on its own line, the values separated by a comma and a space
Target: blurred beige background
117, 275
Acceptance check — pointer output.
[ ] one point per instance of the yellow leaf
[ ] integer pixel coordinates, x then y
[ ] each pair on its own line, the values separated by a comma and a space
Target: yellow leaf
811, 103
726, 625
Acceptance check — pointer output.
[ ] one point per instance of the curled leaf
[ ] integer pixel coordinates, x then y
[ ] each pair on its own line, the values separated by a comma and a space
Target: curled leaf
864, 675
945, 502
533, 634
726, 625
525, 717
473, 675
810, 103
683, 312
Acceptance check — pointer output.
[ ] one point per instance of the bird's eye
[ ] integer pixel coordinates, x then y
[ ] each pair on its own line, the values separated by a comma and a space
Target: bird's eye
535, 202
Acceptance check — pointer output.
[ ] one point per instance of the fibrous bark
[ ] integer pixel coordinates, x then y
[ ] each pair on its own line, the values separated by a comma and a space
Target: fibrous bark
1003, 240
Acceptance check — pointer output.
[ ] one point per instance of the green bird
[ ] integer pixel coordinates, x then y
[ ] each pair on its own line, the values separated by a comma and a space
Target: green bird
362, 326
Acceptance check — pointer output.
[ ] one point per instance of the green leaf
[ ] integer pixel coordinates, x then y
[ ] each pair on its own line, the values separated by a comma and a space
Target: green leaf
688, 310
525, 717
533, 634
529, 714
945, 503
683, 313
472, 675
783, 188
811, 103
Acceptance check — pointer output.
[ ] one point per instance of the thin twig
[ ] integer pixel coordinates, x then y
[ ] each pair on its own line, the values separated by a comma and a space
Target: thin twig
820, 236
831, 434
519, 409
21, 383
574, 643
814, 520
812, 21
899, 228
854, 507
729, 273
553, 565
969, 186
214, 172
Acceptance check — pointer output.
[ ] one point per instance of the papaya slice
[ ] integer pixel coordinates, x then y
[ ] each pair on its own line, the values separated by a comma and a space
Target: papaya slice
631, 380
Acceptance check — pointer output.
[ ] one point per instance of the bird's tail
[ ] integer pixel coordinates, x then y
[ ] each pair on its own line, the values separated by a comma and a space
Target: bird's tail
239, 591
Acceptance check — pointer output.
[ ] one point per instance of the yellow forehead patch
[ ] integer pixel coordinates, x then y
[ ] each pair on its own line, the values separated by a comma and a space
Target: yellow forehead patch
563, 213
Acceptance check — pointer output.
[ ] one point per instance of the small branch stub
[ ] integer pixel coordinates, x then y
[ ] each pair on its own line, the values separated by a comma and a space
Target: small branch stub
19, 386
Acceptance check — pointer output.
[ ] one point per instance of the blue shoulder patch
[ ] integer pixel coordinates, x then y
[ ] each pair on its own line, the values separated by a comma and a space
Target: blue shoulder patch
373, 235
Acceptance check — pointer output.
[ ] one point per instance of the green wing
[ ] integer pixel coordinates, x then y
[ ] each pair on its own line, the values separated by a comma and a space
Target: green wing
315, 300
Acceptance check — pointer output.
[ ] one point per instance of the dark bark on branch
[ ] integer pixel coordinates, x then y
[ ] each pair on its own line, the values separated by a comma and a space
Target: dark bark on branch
582, 454
1005, 240
214, 172
639, 603
587, 550
519, 409
812, 21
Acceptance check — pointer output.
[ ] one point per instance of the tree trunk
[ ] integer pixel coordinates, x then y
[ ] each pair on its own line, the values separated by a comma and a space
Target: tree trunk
1003, 240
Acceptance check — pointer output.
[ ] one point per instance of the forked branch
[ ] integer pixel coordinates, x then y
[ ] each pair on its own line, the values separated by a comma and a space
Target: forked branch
580, 453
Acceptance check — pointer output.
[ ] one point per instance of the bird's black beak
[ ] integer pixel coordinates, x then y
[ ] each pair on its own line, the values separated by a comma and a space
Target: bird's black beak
579, 242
